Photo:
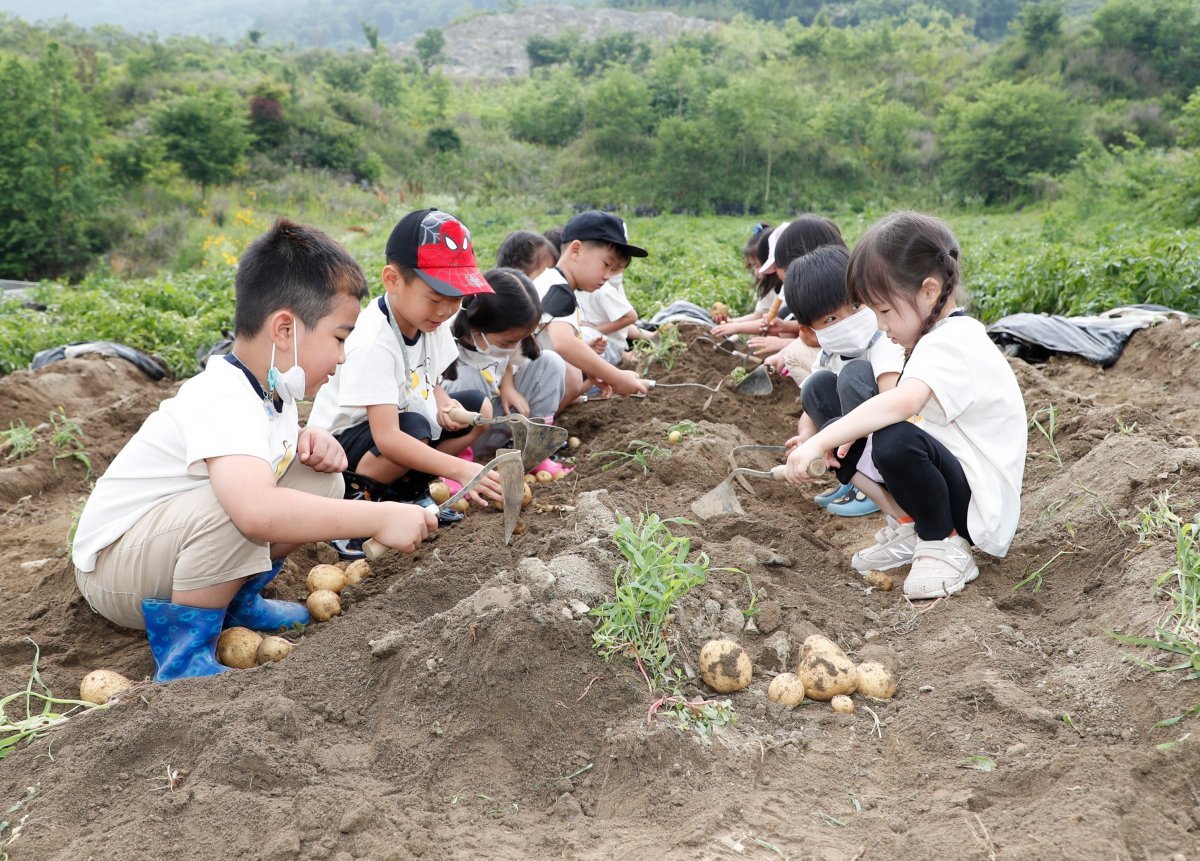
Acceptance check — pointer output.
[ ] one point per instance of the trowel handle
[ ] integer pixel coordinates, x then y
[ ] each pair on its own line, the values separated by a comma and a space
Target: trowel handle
649, 383
816, 468
773, 311
374, 549
464, 417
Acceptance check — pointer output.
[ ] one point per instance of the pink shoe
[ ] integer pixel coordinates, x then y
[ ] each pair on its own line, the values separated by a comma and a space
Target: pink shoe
453, 485
556, 469
467, 455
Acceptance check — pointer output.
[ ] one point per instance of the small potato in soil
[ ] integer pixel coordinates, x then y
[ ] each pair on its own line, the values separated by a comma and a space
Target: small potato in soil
675, 437
817, 643
574, 442
238, 648
439, 492
323, 605
875, 680
880, 580
725, 666
328, 577
99, 686
527, 497
544, 476
786, 689
356, 571
827, 674
272, 649
461, 506
842, 704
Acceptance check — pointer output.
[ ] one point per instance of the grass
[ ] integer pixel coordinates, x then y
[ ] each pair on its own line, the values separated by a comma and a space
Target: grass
636, 622
1048, 429
67, 437
639, 452
18, 441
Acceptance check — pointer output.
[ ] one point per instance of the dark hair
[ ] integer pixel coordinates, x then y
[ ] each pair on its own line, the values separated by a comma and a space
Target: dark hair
815, 286
621, 252
750, 249
895, 256
554, 237
765, 283
520, 250
297, 268
512, 304
807, 233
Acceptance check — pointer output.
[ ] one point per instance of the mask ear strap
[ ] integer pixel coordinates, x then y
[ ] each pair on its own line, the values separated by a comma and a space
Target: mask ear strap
272, 374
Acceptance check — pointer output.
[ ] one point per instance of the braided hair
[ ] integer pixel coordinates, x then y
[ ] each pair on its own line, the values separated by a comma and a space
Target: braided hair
895, 256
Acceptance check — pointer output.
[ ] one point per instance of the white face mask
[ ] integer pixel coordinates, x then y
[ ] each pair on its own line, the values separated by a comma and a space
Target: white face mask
849, 336
291, 383
495, 352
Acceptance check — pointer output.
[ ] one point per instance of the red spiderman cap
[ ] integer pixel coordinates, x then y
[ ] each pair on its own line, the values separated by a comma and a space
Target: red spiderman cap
437, 247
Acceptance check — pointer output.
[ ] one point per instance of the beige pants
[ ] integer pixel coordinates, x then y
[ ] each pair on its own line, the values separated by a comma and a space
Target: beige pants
799, 359
188, 542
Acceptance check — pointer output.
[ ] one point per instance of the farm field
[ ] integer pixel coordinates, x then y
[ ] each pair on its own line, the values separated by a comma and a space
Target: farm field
457, 709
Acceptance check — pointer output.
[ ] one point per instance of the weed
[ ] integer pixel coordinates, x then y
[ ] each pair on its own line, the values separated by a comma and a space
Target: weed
36, 722
1126, 429
19, 440
687, 427
67, 437
752, 607
636, 622
637, 452
9, 830
1036, 578
1048, 429
738, 374
1069, 723
978, 762
665, 348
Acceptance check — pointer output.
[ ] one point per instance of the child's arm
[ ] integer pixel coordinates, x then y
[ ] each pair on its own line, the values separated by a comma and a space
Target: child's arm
512, 400
576, 352
739, 325
761, 345
263, 511
886, 408
616, 325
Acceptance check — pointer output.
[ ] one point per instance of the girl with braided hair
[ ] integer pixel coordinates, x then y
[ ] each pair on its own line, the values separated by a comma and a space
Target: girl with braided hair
949, 439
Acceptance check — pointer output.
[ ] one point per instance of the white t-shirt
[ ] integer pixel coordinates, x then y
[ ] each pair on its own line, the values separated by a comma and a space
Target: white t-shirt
551, 283
977, 412
763, 305
216, 413
885, 356
603, 306
379, 369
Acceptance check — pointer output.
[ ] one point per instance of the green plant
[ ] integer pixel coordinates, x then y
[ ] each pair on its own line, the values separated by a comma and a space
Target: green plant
37, 721
19, 440
636, 622
1036, 577
687, 427
1125, 429
9, 830
637, 452
67, 437
738, 374
1048, 429
665, 348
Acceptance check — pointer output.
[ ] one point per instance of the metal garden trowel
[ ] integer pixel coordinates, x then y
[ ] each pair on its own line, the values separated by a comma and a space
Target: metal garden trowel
535, 441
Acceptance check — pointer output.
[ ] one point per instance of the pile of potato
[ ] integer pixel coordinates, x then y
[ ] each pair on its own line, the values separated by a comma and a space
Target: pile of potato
824, 674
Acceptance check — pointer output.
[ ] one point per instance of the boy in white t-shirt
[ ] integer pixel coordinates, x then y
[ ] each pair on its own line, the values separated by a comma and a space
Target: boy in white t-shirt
386, 405
608, 318
855, 363
196, 513
595, 246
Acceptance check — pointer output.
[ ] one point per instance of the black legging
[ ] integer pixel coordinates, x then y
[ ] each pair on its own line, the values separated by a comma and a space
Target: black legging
924, 478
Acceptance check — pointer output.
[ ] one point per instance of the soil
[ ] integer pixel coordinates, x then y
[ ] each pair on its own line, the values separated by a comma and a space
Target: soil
457, 708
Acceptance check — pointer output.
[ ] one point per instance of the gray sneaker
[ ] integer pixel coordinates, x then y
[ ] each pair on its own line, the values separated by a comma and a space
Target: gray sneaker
893, 547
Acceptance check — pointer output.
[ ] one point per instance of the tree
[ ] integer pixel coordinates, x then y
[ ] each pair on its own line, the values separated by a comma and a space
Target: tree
996, 143
371, 34
50, 184
429, 47
205, 134
1040, 25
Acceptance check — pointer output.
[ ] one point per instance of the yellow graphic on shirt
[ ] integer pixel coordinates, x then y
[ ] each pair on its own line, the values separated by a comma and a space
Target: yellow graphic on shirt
414, 381
487, 376
289, 454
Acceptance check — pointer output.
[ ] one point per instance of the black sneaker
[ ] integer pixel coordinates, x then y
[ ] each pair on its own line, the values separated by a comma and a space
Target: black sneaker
349, 549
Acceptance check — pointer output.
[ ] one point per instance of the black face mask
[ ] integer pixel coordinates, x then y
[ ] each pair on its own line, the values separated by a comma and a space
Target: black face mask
559, 301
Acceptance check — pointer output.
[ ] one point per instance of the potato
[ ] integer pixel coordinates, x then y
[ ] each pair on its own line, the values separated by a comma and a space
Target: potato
574, 442
527, 496
461, 506
99, 686
725, 666
323, 605
272, 649
519, 528
720, 312
328, 577
439, 492
818, 643
881, 580
876, 680
786, 689
842, 704
498, 504
530, 478
356, 571
674, 437
544, 476
238, 648
827, 674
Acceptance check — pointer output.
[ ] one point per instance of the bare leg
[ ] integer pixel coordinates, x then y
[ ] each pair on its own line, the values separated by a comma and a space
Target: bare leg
878, 494
575, 387
210, 597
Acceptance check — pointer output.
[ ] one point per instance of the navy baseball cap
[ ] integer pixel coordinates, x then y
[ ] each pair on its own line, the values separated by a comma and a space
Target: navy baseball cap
601, 227
437, 246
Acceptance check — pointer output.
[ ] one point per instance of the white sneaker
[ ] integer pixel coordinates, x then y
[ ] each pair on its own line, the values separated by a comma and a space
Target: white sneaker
940, 568
893, 547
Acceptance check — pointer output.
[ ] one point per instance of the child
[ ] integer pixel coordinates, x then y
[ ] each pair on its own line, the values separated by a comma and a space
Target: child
498, 353
595, 246
766, 287
196, 513
855, 361
530, 252
952, 478
608, 319
386, 406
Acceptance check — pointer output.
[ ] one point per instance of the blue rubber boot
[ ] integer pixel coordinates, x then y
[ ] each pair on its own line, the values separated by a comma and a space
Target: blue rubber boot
183, 639
823, 499
854, 504
250, 609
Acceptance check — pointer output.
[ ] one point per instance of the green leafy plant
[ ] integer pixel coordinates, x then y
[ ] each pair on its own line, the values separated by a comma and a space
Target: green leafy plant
1048, 428
738, 374
67, 437
664, 348
636, 622
19, 440
687, 427
37, 721
638, 452
1037, 577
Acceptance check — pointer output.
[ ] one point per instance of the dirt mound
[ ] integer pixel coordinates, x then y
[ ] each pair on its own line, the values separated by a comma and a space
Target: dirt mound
457, 708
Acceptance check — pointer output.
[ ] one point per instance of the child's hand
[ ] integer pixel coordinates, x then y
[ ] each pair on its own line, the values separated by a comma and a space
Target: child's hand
598, 345
777, 362
723, 329
488, 488
317, 449
405, 526
761, 345
443, 415
514, 402
627, 383
798, 461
